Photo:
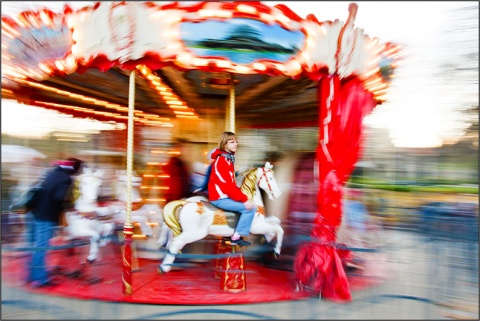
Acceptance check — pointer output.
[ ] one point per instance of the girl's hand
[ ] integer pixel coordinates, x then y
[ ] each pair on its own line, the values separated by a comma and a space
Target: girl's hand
249, 205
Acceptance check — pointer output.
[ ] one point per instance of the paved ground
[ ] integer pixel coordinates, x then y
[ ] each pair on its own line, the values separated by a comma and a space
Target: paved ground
429, 280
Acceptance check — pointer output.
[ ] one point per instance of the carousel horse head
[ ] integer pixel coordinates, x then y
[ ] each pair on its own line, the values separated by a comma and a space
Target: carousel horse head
88, 184
266, 181
121, 186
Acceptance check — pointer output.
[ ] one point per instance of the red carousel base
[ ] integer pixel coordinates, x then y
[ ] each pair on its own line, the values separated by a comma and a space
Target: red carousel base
187, 283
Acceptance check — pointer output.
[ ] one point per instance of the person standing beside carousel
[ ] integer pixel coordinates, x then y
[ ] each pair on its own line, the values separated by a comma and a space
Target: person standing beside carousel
55, 197
223, 191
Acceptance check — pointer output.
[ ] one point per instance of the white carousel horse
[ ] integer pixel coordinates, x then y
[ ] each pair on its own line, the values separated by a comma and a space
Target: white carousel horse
196, 218
89, 219
147, 213
121, 186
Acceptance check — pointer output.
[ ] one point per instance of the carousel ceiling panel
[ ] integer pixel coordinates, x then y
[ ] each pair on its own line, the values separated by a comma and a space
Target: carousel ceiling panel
111, 86
259, 99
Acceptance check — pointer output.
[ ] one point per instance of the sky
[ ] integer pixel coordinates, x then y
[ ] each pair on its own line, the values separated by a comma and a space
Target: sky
421, 106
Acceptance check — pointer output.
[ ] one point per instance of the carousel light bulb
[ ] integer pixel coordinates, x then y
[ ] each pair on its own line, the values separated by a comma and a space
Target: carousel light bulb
45, 18
74, 49
75, 35
305, 55
19, 21
45, 68
59, 65
33, 19
267, 18
70, 21
246, 9
184, 59
309, 44
199, 62
278, 16
24, 21
223, 64
70, 62
293, 68
9, 31
242, 69
259, 66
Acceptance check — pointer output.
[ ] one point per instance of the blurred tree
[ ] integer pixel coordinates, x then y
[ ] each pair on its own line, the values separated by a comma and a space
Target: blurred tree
462, 64
471, 133
462, 70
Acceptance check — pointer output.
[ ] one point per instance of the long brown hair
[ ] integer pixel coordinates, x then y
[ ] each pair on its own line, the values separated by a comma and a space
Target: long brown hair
226, 136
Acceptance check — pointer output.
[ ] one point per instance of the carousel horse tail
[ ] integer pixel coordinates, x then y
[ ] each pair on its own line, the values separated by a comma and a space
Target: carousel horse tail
170, 217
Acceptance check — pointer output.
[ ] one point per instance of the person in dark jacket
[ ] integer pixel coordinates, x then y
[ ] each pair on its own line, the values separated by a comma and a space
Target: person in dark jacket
46, 214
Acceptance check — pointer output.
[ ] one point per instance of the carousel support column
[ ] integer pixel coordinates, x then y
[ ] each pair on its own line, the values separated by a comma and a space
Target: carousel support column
221, 249
230, 110
128, 226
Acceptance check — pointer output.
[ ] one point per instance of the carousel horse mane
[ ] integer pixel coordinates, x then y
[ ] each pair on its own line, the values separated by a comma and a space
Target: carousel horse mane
248, 184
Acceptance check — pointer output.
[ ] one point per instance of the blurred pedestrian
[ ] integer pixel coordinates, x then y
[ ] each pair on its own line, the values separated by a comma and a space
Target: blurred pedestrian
179, 176
223, 191
56, 196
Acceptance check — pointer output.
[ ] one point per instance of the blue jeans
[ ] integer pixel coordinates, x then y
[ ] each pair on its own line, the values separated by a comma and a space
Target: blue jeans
246, 217
41, 233
27, 237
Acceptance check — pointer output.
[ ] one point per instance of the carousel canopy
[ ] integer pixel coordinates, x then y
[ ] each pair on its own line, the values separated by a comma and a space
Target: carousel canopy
186, 58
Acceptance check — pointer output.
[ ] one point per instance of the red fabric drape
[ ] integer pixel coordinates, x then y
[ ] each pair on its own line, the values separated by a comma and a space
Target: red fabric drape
340, 126
343, 104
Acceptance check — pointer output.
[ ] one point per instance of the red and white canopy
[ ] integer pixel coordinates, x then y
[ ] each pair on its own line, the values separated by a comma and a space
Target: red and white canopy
41, 43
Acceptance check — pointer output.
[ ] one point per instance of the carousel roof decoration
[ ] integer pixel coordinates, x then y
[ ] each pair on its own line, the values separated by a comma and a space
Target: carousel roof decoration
178, 106
39, 44
139, 116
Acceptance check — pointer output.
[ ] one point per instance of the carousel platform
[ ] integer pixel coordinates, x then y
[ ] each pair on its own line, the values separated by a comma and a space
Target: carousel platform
193, 280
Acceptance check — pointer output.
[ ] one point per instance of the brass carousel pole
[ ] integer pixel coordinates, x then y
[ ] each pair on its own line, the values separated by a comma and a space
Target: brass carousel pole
230, 110
128, 227
233, 265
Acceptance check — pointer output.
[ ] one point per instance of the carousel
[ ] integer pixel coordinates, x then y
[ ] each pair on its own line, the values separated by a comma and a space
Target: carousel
254, 53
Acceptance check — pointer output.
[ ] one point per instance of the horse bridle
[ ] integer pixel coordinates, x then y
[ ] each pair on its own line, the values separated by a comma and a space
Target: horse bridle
265, 171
